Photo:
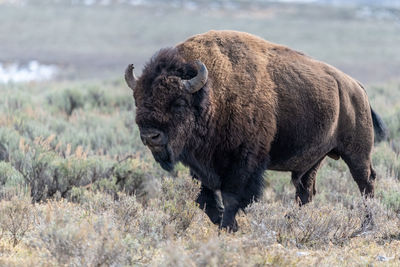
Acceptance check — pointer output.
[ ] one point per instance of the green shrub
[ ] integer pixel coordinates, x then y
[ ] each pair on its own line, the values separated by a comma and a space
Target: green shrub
14, 102
9, 141
67, 101
107, 102
385, 156
391, 199
9, 176
36, 166
131, 176
89, 97
47, 173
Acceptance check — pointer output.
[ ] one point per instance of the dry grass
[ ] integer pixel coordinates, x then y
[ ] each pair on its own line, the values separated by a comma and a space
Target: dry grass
125, 232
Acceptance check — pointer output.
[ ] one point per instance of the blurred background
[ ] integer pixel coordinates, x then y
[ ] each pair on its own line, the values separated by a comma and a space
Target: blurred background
96, 39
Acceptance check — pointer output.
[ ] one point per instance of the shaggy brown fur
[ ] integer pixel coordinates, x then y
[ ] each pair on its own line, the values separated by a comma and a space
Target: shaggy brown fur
263, 106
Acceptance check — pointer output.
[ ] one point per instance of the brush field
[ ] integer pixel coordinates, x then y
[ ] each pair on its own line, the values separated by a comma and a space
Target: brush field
78, 188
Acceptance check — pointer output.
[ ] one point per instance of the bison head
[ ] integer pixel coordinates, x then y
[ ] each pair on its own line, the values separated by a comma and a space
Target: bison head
167, 106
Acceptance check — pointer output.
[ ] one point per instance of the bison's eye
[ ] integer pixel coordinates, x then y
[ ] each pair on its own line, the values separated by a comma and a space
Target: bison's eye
179, 104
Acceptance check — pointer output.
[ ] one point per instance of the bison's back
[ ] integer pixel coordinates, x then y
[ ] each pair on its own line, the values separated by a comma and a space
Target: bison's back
295, 106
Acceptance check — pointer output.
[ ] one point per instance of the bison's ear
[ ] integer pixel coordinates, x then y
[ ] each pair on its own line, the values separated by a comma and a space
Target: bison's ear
130, 77
196, 83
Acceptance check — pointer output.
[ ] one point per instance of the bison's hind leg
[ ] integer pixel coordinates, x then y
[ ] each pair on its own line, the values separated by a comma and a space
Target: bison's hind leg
305, 184
361, 169
358, 159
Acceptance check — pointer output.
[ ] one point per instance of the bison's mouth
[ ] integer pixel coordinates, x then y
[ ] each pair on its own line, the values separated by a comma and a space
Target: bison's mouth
164, 157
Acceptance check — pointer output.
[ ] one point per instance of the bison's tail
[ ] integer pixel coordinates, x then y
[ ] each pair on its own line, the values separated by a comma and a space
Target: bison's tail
381, 132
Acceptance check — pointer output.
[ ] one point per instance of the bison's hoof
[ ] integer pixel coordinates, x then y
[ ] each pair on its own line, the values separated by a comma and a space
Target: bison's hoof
230, 228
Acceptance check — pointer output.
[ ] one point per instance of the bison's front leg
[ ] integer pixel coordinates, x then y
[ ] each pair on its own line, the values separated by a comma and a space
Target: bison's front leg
241, 185
232, 191
210, 201
231, 206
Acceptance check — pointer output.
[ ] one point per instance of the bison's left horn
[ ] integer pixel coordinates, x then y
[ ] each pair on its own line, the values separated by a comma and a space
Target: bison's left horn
195, 84
130, 77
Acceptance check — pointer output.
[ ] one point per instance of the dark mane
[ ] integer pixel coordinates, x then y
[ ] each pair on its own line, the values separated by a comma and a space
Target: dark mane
167, 61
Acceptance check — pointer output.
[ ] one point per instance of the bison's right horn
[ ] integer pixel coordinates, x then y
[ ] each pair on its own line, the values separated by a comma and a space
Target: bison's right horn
130, 77
195, 84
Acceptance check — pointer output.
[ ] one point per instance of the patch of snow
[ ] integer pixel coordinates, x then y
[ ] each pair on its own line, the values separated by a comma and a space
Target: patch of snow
33, 71
383, 258
302, 253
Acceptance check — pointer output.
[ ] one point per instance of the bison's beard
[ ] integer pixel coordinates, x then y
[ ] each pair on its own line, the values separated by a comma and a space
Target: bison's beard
165, 158
167, 155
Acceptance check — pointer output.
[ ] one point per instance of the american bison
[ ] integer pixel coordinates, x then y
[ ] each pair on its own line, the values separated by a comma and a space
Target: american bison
230, 105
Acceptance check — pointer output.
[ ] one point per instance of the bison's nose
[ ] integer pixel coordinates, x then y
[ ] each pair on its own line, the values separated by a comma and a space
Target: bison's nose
153, 138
